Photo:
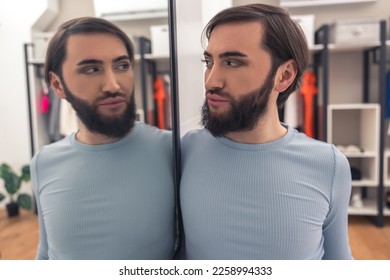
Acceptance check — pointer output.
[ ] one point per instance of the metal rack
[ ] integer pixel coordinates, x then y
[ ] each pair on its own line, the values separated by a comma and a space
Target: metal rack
373, 55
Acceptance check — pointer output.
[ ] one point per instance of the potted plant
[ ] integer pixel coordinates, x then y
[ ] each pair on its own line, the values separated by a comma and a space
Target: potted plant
12, 183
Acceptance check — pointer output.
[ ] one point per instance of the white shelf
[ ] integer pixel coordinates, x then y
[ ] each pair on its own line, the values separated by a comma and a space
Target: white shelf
361, 155
365, 183
310, 3
386, 168
351, 106
316, 48
152, 57
369, 208
135, 16
36, 61
358, 125
352, 47
157, 57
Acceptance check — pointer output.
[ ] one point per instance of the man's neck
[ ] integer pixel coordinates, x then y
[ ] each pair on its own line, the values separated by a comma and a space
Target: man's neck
85, 136
267, 130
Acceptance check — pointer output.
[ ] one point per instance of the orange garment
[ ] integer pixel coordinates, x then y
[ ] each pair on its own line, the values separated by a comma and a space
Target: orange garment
160, 97
308, 91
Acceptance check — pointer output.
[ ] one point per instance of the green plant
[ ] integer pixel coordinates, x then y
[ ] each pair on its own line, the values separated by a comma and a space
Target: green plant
12, 183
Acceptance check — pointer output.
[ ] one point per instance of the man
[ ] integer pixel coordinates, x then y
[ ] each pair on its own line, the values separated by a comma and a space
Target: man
252, 187
106, 191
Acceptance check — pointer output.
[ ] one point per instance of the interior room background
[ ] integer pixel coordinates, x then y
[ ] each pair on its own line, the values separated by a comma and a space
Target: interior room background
18, 19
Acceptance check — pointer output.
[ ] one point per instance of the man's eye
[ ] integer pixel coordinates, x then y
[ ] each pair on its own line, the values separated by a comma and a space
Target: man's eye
123, 66
90, 70
232, 63
208, 63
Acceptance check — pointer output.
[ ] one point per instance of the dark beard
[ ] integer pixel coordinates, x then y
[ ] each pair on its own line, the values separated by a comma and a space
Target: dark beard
114, 127
244, 114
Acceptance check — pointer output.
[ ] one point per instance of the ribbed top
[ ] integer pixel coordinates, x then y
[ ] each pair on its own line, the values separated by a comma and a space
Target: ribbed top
109, 201
285, 199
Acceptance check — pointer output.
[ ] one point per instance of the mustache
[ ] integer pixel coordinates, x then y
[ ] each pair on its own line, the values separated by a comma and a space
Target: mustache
111, 95
214, 91
219, 92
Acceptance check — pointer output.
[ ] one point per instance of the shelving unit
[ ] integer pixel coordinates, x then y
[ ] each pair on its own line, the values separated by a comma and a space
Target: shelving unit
361, 121
148, 67
361, 124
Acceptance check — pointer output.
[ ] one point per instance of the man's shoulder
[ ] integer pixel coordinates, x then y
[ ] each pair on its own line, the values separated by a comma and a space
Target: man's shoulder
317, 148
52, 152
196, 133
149, 130
64, 143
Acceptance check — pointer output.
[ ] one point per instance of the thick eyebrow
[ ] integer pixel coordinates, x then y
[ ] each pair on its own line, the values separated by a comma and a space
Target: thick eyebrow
226, 54
96, 61
122, 57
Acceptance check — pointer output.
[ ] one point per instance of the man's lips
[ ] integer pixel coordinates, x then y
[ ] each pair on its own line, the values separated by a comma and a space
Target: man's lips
112, 103
216, 100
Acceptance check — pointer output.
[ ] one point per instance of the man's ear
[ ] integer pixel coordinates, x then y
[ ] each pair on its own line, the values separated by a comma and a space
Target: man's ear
285, 75
56, 85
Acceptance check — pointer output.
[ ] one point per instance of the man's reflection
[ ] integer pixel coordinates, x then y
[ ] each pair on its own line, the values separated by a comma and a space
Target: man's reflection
105, 191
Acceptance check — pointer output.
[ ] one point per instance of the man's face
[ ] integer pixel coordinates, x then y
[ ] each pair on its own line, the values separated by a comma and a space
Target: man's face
97, 79
238, 81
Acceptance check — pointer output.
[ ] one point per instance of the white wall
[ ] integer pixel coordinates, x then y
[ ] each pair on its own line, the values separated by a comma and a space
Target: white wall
16, 19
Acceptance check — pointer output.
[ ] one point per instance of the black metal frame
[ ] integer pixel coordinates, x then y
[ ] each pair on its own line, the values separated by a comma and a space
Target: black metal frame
175, 116
321, 58
369, 58
32, 144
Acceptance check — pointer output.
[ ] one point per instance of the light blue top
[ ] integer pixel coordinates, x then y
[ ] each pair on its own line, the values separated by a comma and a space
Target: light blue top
109, 201
286, 199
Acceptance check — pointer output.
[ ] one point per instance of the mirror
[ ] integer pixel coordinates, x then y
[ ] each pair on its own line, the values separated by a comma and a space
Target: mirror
25, 71
147, 26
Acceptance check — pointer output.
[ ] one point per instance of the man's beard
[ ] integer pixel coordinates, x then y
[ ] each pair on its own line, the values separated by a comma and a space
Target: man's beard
244, 113
113, 127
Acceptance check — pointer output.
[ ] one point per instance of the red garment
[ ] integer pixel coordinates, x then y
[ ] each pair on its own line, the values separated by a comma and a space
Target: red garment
45, 103
160, 97
308, 91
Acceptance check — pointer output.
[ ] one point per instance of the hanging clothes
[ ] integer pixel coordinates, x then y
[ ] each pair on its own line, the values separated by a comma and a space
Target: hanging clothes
160, 98
309, 91
44, 98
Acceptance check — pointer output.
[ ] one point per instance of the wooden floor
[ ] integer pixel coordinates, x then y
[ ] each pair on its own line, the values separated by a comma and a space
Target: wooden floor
19, 237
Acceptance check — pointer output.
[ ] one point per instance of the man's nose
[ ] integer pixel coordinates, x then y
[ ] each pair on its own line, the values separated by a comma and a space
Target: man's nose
110, 83
213, 78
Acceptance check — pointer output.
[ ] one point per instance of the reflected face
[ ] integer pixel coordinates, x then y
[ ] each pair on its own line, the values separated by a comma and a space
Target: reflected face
238, 78
115, 126
97, 79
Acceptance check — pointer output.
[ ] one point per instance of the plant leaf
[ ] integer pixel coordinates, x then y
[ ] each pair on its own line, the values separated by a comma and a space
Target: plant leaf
5, 169
25, 176
11, 183
24, 201
1, 196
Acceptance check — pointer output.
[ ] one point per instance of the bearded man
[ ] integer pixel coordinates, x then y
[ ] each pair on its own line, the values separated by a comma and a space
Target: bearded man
105, 191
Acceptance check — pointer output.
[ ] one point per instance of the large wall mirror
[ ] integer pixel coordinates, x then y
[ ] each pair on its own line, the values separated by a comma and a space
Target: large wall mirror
169, 86
145, 22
